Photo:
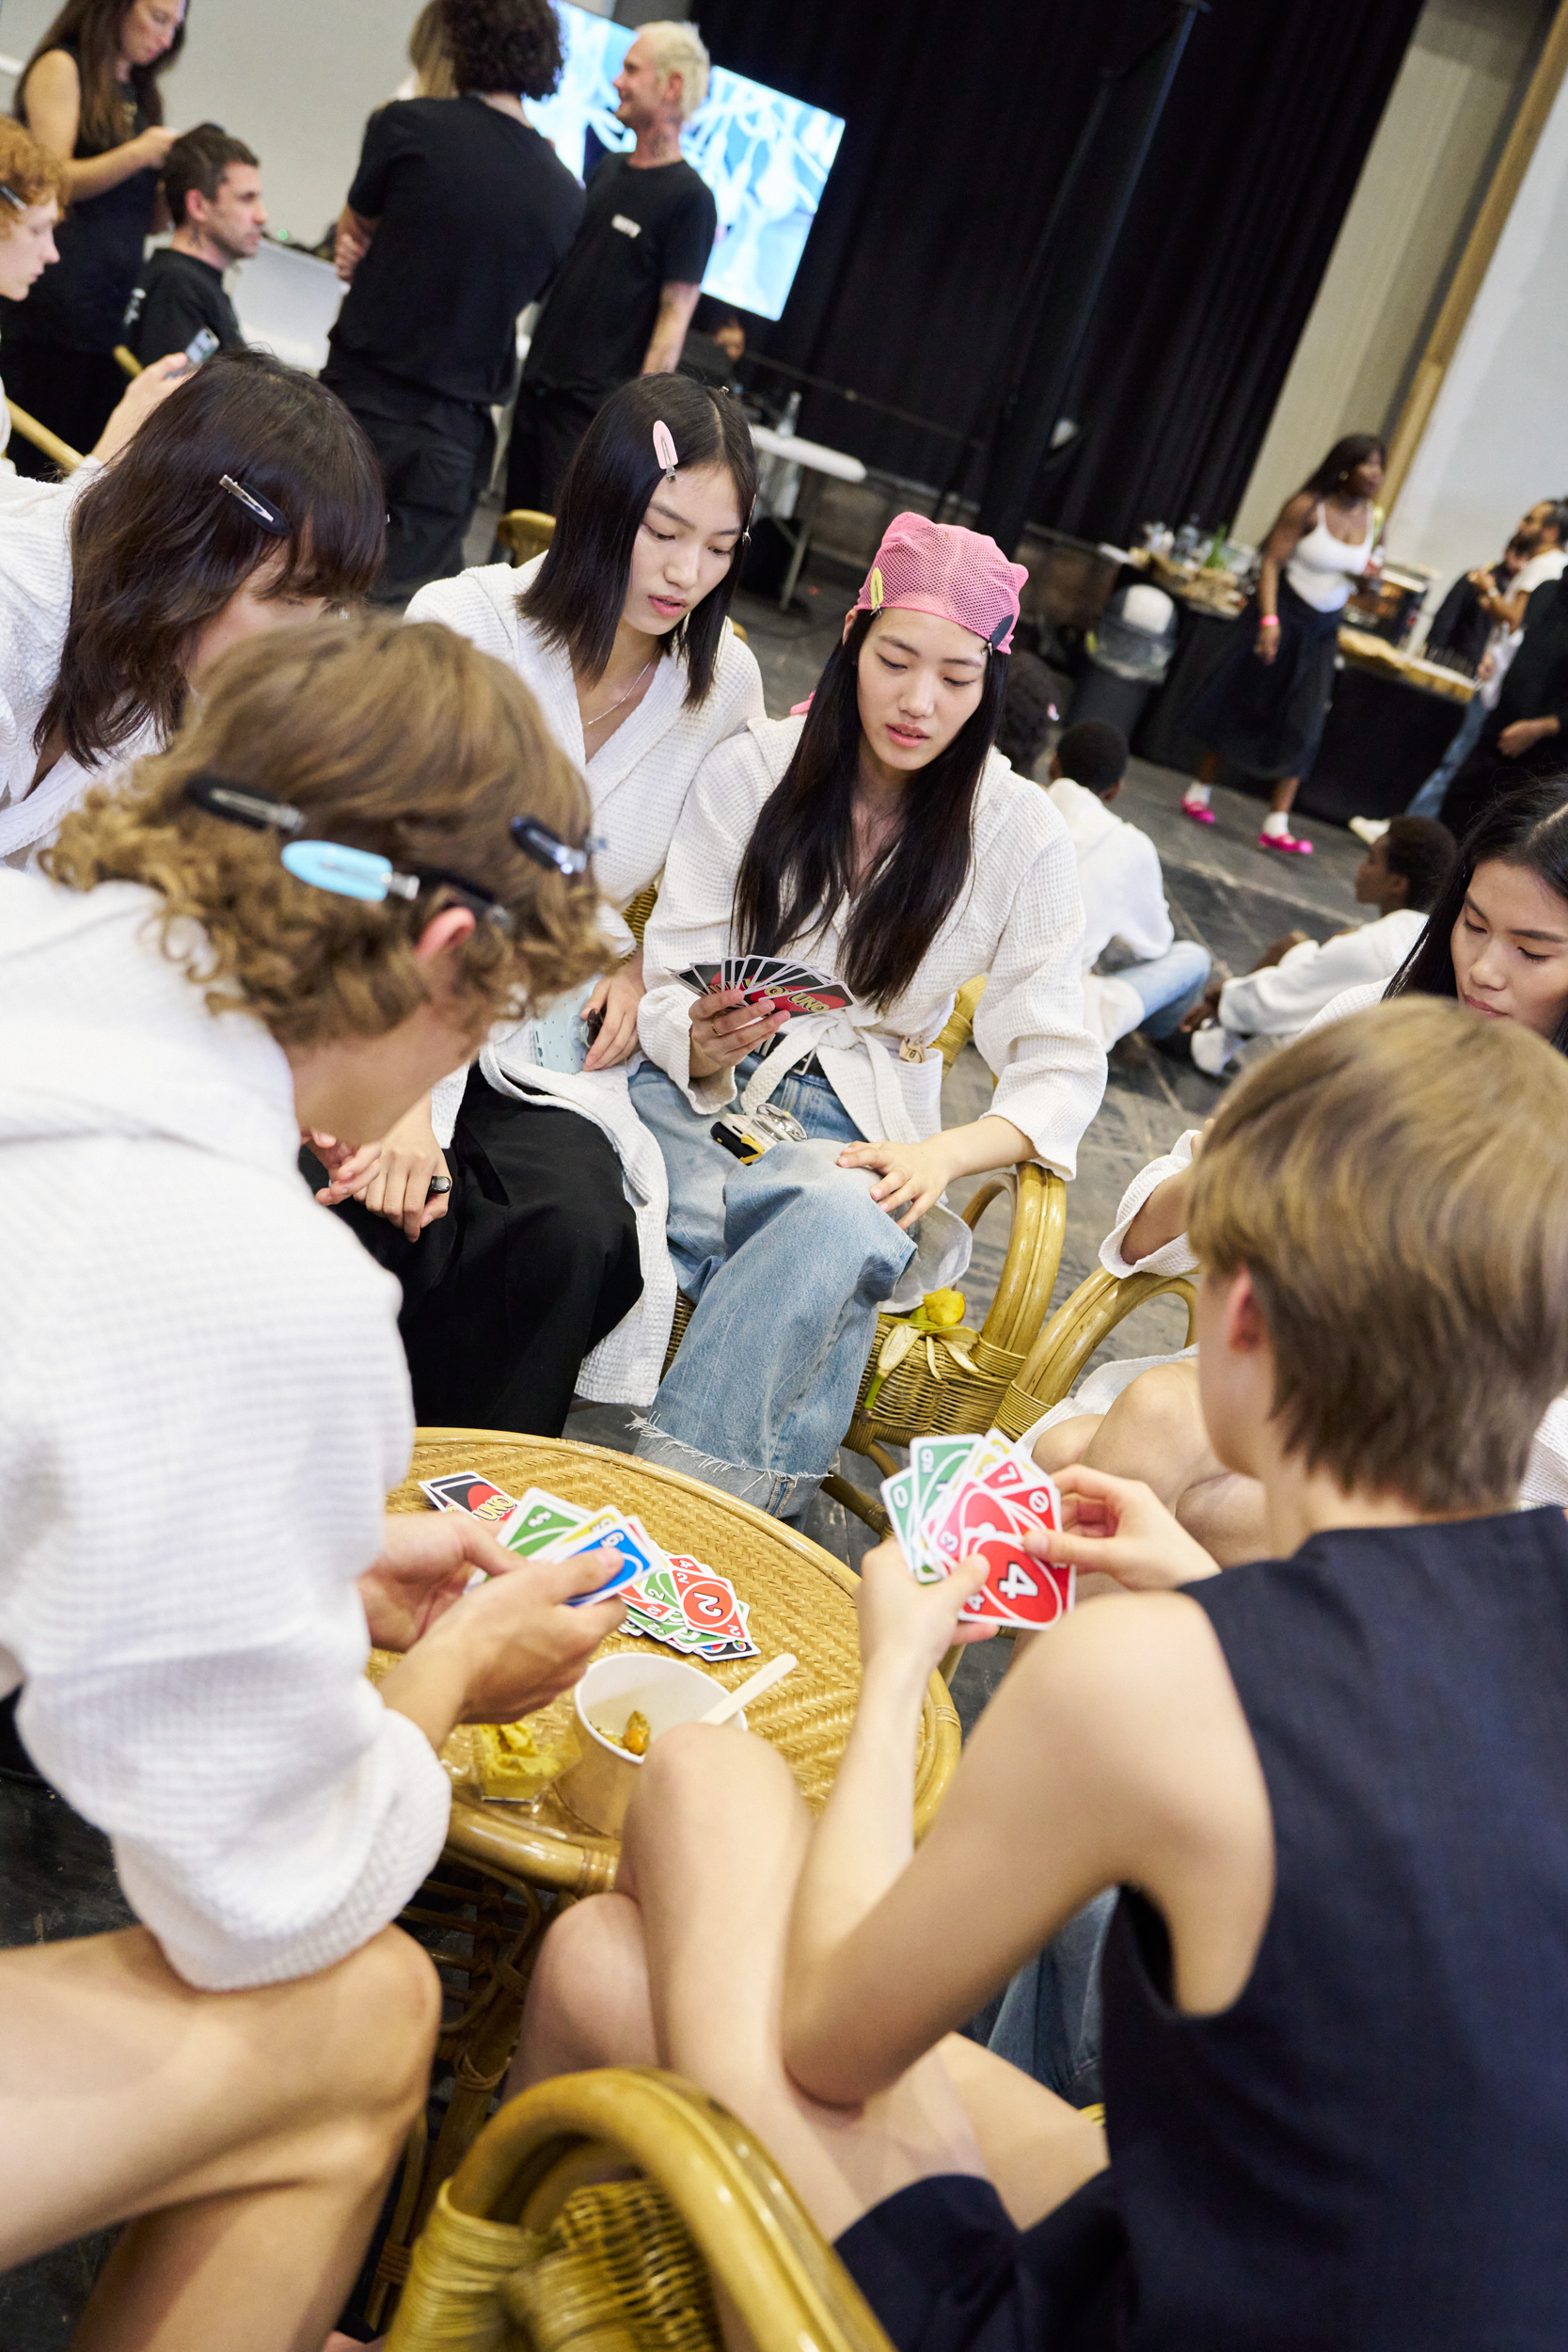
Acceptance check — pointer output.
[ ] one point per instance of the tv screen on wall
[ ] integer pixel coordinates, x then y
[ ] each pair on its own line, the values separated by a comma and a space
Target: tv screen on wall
766, 157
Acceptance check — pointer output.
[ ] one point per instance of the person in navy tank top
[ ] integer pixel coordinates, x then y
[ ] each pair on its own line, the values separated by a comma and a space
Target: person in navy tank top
1331, 1787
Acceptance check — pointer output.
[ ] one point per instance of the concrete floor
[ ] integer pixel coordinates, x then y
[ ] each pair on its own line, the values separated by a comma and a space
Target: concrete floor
55, 1875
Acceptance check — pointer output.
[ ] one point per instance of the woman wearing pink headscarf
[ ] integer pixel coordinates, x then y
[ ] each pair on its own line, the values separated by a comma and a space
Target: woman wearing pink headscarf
874, 836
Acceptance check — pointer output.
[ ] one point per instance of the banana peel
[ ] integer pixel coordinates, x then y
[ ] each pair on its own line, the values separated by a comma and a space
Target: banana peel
937, 1325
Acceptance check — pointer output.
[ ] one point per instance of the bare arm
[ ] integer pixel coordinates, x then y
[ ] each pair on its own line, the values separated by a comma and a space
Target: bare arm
54, 116
1115, 1753
915, 1175
351, 241
677, 303
1281, 544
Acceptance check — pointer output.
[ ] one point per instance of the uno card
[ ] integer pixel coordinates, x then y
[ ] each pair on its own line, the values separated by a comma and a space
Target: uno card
538, 1521
899, 1500
1031, 1488
707, 978
1018, 1590
709, 1603
812, 996
935, 1461
465, 1490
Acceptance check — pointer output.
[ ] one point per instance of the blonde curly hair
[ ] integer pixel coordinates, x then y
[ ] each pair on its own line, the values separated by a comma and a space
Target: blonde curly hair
403, 740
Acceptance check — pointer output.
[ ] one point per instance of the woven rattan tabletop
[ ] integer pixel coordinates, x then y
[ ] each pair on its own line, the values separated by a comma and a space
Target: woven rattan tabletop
799, 1596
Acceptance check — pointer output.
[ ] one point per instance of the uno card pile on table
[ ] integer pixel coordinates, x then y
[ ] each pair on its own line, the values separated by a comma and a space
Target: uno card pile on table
793, 987
677, 1601
966, 1495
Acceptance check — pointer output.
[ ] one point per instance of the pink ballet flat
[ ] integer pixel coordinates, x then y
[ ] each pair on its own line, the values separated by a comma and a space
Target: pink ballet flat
1286, 843
1199, 811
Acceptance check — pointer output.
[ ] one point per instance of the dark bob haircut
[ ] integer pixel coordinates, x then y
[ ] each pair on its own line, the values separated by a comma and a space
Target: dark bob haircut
158, 545
1342, 461
797, 869
511, 45
1421, 850
1527, 829
579, 593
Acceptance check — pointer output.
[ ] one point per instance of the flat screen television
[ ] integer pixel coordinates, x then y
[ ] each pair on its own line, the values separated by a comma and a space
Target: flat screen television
766, 157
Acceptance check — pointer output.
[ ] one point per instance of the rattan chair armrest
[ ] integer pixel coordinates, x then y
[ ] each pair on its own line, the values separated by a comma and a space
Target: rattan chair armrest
1085, 1320
786, 2283
952, 1038
1034, 1254
67, 458
128, 360
636, 911
525, 533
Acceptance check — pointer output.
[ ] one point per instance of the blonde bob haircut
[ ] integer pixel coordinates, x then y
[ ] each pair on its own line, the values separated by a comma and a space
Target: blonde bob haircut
1393, 1185
403, 740
678, 49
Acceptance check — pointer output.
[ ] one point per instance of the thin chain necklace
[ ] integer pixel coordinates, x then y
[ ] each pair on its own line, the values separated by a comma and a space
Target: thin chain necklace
603, 715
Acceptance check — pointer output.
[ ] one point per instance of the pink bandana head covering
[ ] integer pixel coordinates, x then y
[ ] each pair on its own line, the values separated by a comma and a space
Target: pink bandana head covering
959, 575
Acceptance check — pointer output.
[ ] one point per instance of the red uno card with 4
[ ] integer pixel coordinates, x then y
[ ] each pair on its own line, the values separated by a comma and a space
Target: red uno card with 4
977, 1519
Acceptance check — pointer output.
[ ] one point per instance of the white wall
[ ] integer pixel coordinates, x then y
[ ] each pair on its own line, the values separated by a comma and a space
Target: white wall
1399, 236
294, 79
1497, 437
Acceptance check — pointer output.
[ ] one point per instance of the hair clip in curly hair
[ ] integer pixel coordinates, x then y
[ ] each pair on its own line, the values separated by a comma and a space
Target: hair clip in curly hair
664, 449
262, 510
546, 848
11, 198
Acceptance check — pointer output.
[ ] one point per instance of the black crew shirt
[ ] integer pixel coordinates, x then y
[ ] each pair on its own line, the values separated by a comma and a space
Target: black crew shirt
177, 297
474, 213
642, 231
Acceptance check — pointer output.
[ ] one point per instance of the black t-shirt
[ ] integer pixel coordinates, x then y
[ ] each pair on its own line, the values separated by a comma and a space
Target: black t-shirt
642, 231
177, 297
474, 211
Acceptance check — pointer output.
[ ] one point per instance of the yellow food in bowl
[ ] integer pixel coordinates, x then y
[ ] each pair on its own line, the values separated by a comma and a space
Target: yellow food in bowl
515, 1762
634, 1739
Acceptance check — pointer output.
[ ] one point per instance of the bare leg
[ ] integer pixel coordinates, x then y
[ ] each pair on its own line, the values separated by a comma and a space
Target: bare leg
1283, 795
244, 2137
1065, 1442
1154, 1431
691, 1959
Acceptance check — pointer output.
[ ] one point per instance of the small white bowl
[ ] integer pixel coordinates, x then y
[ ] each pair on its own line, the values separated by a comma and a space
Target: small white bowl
598, 1787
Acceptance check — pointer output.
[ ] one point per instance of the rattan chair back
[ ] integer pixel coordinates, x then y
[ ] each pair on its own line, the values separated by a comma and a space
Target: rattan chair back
529, 2250
525, 533
1059, 1356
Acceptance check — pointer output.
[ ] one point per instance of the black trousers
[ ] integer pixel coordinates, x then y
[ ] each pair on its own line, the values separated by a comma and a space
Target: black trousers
434, 474
534, 1262
546, 427
1486, 776
74, 392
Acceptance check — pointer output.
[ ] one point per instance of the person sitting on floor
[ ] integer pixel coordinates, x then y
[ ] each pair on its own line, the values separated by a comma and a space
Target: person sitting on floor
543, 1271
878, 838
1329, 1787
204, 1405
1497, 940
1155, 979
1028, 710
250, 501
1402, 875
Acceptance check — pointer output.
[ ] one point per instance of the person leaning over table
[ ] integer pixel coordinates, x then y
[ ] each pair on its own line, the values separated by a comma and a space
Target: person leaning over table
202, 1408
1329, 1787
881, 838
543, 1271
90, 92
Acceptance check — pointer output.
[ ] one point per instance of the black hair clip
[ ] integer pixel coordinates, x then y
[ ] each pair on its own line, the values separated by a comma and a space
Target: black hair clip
547, 848
261, 510
242, 806
1001, 631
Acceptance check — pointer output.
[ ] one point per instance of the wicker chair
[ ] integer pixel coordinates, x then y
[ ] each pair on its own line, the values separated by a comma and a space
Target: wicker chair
128, 360
1078, 1326
528, 2250
61, 452
525, 533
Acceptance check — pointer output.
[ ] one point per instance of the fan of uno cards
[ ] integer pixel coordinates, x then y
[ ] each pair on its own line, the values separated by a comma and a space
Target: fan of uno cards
793, 987
966, 1496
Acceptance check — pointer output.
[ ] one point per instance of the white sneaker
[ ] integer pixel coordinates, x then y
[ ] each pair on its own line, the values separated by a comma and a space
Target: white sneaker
1370, 829
1213, 1049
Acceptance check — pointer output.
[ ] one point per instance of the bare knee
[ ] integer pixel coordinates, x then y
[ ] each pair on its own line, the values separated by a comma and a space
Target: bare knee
588, 1998
386, 2011
1154, 1430
695, 1781
1066, 1442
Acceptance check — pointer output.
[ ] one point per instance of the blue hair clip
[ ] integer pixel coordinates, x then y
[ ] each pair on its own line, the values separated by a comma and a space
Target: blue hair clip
350, 873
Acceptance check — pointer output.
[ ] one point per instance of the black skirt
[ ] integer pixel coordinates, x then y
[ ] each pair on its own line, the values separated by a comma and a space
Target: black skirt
1266, 718
534, 1262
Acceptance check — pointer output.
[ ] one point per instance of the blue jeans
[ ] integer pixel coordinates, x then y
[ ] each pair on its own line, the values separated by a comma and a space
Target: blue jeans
1049, 2022
1170, 985
1428, 799
787, 1261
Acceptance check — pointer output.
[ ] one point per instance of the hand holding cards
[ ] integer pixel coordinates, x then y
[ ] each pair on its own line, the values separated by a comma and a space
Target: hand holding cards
793, 988
965, 1496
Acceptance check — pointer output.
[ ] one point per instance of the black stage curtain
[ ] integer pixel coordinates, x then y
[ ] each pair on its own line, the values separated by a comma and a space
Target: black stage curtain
959, 123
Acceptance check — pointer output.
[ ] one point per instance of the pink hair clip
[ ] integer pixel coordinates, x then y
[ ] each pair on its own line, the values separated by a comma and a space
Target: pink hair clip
664, 449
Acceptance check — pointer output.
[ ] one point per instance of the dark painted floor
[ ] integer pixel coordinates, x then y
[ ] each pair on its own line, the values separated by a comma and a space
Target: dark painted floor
55, 1877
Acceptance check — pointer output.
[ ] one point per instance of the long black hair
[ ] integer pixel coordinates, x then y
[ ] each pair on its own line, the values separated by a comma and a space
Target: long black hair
579, 591
797, 870
1342, 461
92, 28
1529, 829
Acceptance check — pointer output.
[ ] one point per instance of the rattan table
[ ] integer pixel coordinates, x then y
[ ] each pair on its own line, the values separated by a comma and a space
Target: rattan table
799, 1596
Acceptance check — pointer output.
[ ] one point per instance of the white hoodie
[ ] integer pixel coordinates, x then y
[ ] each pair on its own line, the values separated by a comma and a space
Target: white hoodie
202, 1404
1124, 899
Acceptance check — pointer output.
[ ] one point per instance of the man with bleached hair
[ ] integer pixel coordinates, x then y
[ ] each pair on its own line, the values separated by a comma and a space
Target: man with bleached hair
627, 288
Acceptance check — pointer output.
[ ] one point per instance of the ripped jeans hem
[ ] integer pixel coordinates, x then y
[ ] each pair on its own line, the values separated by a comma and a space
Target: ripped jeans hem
781, 1494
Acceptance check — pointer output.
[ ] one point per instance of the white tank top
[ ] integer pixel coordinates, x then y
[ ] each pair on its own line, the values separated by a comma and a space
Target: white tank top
1323, 567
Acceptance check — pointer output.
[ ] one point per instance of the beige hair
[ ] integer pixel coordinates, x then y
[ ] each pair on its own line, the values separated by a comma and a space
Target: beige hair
403, 740
429, 56
1393, 1185
678, 49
